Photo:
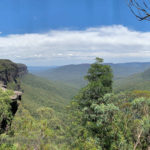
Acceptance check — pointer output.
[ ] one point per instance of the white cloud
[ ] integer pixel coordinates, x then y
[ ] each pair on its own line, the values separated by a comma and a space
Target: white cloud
113, 43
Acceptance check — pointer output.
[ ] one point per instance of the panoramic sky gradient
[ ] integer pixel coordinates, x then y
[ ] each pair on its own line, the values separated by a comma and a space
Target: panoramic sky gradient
58, 32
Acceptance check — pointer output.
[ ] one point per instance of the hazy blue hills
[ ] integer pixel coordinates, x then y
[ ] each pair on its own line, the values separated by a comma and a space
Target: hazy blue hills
74, 74
139, 81
122, 70
69, 74
37, 69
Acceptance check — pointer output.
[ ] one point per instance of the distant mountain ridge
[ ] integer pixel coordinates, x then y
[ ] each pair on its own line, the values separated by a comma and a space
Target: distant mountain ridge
139, 81
37, 69
74, 74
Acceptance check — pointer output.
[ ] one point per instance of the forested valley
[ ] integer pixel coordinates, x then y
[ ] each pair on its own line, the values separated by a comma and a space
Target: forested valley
105, 114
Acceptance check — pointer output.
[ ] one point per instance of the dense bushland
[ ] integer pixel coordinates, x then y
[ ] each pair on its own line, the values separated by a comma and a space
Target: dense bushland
96, 119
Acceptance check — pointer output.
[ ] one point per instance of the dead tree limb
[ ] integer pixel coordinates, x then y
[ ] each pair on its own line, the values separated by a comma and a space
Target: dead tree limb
140, 8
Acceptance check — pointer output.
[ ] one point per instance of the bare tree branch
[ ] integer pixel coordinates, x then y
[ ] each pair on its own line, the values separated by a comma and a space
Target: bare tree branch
138, 140
140, 8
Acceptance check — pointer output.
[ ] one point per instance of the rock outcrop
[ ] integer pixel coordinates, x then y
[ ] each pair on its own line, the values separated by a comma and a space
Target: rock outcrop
15, 98
9, 73
22, 70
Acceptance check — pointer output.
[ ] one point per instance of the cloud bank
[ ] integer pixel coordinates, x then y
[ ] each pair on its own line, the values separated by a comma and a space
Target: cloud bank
56, 47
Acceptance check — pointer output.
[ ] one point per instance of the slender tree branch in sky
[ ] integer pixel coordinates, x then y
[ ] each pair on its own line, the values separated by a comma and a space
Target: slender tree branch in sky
140, 8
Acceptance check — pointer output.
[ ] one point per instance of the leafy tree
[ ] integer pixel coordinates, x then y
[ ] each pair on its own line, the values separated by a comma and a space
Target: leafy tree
130, 123
96, 109
99, 79
103, 120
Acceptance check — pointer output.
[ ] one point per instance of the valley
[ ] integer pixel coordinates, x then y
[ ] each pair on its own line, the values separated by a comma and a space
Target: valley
73, 75
49, 114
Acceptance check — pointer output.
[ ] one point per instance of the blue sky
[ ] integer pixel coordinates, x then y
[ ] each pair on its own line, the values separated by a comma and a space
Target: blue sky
45, 21
31, 16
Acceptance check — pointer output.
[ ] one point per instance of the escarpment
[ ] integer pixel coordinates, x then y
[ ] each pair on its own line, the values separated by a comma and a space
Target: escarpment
10, 73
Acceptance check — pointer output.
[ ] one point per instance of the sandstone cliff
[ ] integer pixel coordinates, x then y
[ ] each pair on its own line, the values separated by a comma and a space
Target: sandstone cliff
9, 75
10, 71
